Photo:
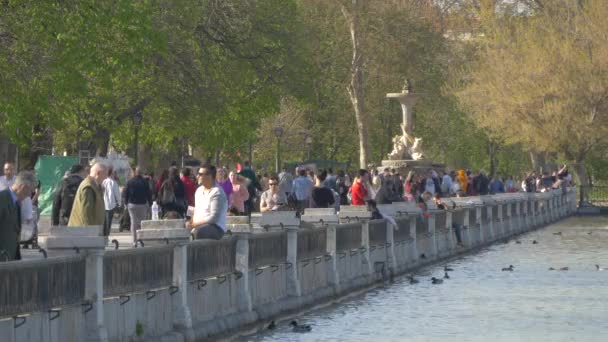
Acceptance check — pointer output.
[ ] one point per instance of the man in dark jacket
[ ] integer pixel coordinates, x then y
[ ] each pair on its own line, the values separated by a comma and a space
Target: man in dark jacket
481, 183
138, 198
65, 194
10, 214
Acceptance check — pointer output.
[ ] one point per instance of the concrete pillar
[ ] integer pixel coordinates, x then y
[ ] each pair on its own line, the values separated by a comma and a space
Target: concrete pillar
508, 220
490, 230
414, 244
242, 265
500, 221
334, 276
517, 218
391, 260
365, 244
466, 231
432, 247
481, 235
451, 237
293, 283
93, 293
182, 318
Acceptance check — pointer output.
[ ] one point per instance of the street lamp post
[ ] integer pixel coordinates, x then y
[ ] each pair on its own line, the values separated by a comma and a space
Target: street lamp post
308, 141
137, 119
278, 132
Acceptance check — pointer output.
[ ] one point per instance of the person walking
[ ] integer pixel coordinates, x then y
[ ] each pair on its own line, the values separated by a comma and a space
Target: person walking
302, 188
111, 198
359, 192
172, 194
65, 194
210, 207
225, 183
10, 216
240, 194
189, 185
89, 206
321, 196
252, 186
286, 182
138, 198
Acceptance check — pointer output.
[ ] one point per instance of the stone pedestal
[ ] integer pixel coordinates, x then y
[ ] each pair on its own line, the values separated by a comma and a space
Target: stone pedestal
163, 232
182, 317
417, 166
278, 220
90, 242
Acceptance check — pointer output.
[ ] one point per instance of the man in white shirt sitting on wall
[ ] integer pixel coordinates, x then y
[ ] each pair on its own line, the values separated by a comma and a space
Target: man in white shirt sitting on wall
210, 207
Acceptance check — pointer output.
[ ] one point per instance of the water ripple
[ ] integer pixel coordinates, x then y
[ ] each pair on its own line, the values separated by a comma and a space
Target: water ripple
481, 303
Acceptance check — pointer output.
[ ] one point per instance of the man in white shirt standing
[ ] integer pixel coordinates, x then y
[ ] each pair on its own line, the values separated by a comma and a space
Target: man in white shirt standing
111, 199
210, 206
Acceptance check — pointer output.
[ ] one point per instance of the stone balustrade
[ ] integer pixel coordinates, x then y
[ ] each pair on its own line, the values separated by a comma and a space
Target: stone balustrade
176, 290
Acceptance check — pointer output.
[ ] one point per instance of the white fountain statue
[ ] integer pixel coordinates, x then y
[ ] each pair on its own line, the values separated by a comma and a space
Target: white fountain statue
406, 146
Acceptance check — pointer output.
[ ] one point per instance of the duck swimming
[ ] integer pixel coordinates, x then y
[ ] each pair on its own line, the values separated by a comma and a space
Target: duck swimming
422, 256
564, 268
303, 328
551, 269
412, 279
436, 281
598, 268
534, 242
508, 269
448, 269
446, 276
272, 325
558, 233
518, 242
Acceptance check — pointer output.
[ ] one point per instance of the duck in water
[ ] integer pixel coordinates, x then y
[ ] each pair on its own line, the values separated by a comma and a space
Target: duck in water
412, 280
598, 268
436, 281
300, 328
534, 242
272, 325
508, 269
446, 276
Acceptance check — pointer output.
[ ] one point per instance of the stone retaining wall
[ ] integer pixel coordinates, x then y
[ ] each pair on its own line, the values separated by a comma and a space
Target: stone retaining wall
189, 291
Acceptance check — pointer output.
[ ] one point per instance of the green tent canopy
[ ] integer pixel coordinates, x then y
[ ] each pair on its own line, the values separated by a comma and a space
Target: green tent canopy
49, 171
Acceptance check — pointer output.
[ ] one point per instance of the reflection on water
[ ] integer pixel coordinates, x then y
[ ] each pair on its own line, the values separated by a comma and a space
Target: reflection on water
481, 303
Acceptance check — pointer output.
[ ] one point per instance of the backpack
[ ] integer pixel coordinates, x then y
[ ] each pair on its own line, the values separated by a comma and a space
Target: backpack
166, 194
68, 194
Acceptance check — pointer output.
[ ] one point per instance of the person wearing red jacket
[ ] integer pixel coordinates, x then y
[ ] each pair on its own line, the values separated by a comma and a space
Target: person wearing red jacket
358, 191
189, 185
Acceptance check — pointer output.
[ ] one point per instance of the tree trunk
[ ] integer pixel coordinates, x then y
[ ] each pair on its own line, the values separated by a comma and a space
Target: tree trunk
492, 153
102, 142
583, 180
539, 160
355, 88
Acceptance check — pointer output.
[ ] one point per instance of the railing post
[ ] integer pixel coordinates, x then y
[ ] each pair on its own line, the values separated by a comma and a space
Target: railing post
93, 293
293, 283
365, 244
391, 260
334, 276
242, 266
182, 317
414, 248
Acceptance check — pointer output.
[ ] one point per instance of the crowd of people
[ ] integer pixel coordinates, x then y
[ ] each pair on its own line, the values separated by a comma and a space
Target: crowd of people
93, 196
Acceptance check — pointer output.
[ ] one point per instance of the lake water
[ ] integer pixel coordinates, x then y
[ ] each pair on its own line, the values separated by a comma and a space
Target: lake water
482, 303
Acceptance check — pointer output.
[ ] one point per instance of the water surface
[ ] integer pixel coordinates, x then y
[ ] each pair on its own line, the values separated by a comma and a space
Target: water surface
481, 303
